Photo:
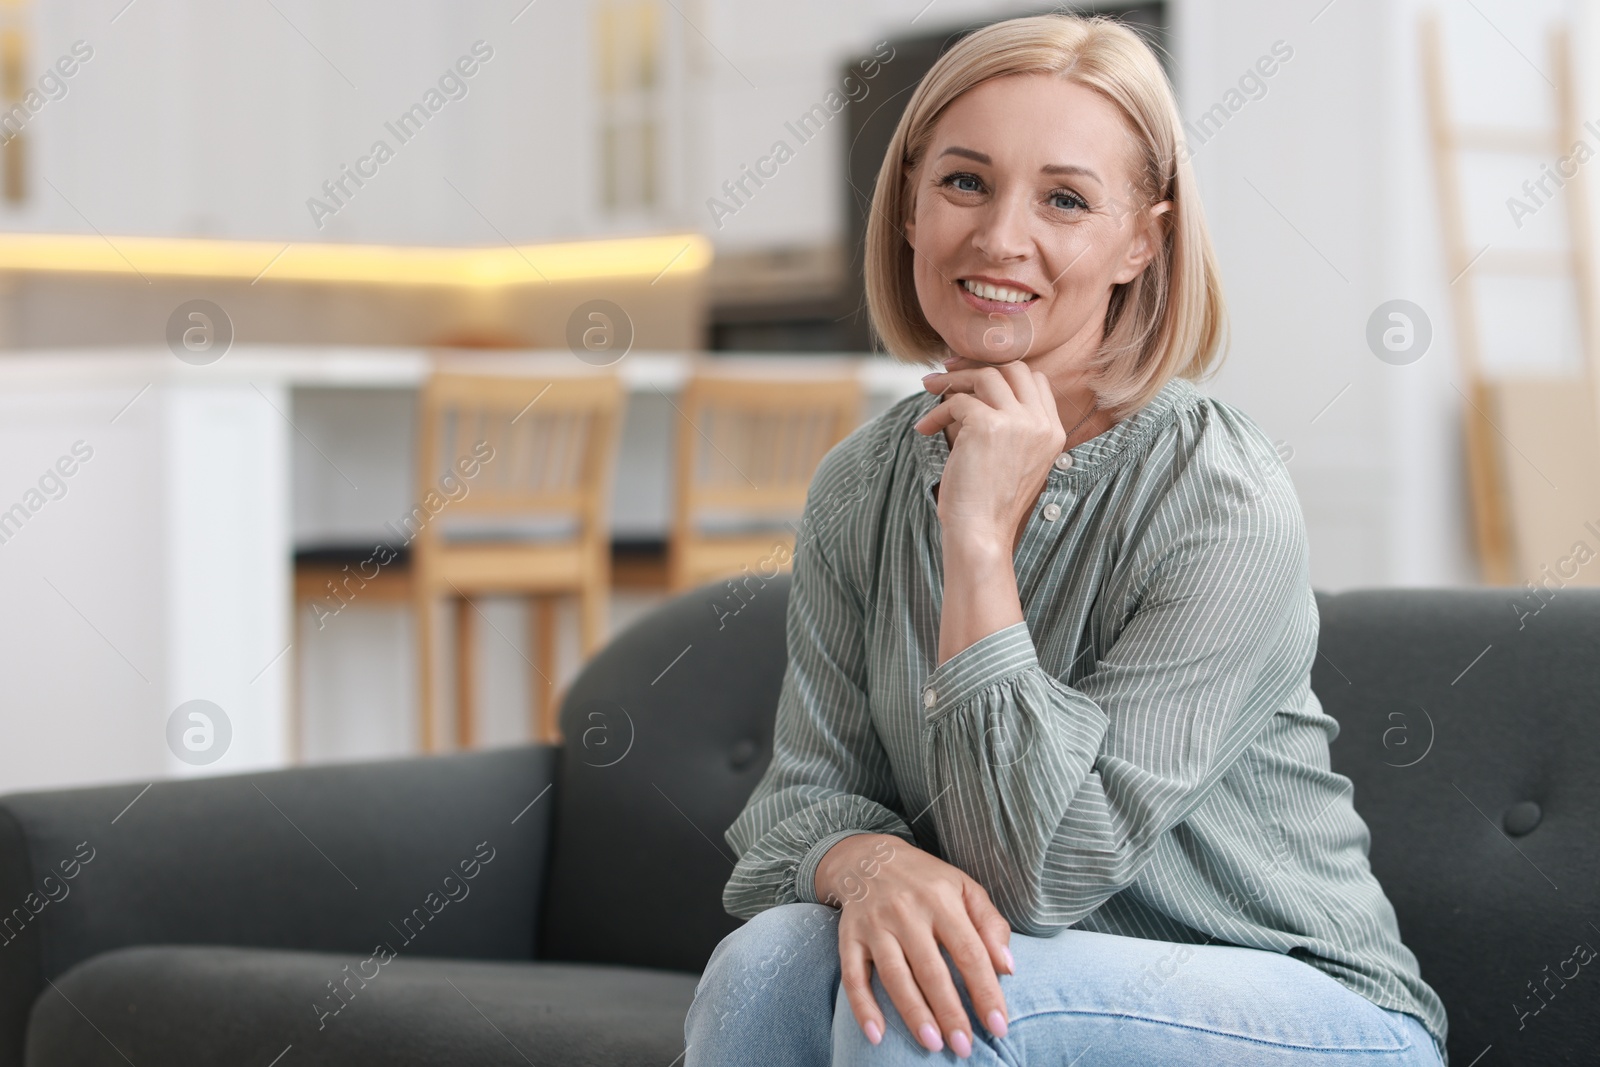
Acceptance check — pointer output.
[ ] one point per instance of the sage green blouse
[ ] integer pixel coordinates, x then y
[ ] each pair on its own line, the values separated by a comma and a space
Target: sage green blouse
1142, 755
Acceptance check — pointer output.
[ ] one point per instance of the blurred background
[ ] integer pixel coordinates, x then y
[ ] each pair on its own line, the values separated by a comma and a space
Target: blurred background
364, 366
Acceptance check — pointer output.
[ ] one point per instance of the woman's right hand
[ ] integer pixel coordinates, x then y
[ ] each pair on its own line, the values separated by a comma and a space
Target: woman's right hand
898, 904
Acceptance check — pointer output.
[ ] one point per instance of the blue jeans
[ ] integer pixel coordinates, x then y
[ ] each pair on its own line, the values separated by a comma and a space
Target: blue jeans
771, 997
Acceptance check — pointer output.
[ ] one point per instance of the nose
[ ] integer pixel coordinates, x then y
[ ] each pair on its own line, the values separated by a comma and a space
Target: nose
1002, 232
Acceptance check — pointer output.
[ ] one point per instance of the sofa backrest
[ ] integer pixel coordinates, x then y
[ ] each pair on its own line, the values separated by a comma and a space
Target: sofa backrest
1458, 708
1470, 726
666, 732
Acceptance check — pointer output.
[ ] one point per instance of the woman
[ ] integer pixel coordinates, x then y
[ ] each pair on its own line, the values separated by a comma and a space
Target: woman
1049, 782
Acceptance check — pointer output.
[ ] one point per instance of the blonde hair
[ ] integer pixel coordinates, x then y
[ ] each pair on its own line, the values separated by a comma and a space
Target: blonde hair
1170, 319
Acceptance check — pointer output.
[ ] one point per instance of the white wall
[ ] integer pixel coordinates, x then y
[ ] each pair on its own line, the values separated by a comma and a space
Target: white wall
228, 564
155, 574
1321, 201
84, 669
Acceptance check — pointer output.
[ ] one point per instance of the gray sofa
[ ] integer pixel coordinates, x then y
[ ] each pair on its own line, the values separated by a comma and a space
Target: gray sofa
555, 906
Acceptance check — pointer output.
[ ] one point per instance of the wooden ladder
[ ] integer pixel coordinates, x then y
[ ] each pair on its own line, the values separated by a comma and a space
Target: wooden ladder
1519, 521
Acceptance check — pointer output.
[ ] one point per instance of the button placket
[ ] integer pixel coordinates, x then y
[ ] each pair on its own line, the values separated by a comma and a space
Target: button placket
1064, 463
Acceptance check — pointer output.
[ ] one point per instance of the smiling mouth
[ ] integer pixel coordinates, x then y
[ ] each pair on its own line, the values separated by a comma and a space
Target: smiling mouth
999, 294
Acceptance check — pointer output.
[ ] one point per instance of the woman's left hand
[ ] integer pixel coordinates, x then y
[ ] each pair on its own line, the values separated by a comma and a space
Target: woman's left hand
1007, 434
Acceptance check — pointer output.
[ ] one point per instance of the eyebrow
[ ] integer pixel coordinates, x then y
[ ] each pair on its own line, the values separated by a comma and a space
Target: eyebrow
1048, 168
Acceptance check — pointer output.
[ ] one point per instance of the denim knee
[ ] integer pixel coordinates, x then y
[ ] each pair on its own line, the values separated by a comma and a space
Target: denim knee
778, 971
780, 946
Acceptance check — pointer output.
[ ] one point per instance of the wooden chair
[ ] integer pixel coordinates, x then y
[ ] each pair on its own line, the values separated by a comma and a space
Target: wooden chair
546, 447
750, 436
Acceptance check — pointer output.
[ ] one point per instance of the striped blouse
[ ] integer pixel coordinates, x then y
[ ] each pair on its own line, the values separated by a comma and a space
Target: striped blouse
1142, 755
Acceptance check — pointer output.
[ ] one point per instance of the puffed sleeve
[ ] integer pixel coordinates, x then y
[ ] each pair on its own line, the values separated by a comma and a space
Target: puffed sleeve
1053, 796
829, 777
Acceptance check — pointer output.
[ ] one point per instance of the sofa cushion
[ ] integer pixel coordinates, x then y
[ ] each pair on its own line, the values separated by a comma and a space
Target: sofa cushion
177, 1005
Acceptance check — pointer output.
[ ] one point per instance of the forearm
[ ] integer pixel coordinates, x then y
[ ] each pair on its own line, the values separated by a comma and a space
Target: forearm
1010, 750
980, 589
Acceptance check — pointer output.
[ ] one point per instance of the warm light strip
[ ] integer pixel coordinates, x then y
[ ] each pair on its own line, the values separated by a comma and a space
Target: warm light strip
628, 257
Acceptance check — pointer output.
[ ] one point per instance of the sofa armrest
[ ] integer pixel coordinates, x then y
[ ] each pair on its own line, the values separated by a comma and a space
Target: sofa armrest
437, 856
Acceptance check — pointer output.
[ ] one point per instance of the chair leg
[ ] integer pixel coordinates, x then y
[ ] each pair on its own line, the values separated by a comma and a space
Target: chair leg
671, 565
297, 728
466, 723
592, 608
542, 679
427, 703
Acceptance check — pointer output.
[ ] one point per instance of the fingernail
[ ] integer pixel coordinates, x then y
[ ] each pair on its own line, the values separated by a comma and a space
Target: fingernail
961, 1043
997, 1023
931, 374
874, 1034
930, 1037
1011, 964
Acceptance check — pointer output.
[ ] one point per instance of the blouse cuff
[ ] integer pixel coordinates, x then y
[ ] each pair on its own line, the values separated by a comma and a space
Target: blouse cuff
806, 874
987, 660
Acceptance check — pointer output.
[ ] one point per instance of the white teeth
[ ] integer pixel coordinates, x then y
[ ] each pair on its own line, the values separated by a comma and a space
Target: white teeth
996, 292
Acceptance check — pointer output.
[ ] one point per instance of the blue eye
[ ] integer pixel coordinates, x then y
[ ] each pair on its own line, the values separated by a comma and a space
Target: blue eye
1073, 200
951, 179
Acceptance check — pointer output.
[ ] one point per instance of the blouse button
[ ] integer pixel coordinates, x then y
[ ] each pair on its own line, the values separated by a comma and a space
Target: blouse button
928, 698
1064, 461
1052, 512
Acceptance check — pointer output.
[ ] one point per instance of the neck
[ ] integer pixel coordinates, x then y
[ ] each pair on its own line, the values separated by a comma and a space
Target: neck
1065, 368
1074, 410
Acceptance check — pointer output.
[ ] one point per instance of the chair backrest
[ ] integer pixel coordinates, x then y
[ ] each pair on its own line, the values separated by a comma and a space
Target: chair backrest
1458, 708
752, 432
550, 442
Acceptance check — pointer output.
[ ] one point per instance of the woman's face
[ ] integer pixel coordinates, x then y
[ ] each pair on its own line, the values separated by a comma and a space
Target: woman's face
1026, 186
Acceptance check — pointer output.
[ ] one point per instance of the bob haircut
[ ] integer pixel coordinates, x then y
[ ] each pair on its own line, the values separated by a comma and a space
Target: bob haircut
1170, 320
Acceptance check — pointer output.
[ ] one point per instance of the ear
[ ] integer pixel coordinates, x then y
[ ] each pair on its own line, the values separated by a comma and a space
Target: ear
1145, 244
